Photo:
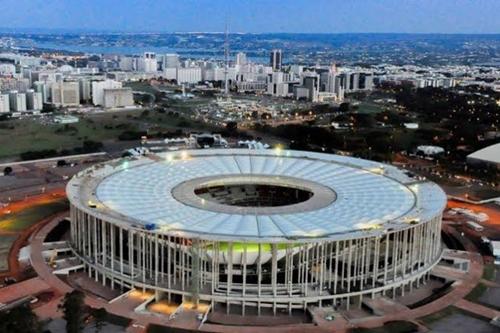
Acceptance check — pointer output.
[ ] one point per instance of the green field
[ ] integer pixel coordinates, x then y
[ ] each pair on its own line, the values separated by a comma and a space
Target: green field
33, 135
368, 107
12, 224
489, 272
439, 315
450, 310
141, 86
19, 221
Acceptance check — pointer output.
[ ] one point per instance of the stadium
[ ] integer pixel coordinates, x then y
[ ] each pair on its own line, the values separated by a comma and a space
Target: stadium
256, 229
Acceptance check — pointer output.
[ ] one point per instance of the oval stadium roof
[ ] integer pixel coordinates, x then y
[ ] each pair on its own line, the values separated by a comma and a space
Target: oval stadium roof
369, 196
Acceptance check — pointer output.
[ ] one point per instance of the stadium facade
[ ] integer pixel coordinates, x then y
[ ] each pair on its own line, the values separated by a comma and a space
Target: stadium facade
256, 228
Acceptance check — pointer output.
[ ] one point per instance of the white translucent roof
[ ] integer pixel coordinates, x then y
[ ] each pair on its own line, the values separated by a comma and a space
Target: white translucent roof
369, 196
489, 154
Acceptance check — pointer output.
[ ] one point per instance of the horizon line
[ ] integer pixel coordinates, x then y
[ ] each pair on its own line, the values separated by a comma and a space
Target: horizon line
145, 32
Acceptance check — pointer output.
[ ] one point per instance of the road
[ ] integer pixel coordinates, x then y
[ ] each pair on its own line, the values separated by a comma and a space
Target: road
492, 210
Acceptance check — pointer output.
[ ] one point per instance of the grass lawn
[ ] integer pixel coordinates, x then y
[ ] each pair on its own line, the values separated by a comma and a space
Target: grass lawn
141, 86
450, 310
475, 293
439, 315
6, 242
489, 272
17, 222
12, 224
367, 107
32, 135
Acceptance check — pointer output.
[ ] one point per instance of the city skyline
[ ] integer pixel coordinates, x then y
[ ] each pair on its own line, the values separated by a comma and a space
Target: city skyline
428, 16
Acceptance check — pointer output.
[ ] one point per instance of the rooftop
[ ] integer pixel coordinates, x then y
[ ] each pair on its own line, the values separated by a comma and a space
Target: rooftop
489, 154
265, 194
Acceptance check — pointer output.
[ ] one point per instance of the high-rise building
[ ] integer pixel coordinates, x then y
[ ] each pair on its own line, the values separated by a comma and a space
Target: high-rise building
280, 84
310, 87
41, 87
46, 76
128, 64
189, 75
85, 90
17, 101
19, 84
276, 60
311, 82
149, 63
34, 100
170, 60
4, 103
330, 83
7, 69
98, 88
354, 82
342, 81
118, 97
241, 59
365, 81
65, 93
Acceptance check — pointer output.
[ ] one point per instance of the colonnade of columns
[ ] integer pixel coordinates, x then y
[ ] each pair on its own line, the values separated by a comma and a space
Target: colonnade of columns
288, 275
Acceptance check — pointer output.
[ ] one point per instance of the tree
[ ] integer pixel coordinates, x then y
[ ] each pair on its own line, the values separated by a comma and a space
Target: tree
232, 126
90, 146
73, 311
7, 170
99, 318
344, 107
20, 319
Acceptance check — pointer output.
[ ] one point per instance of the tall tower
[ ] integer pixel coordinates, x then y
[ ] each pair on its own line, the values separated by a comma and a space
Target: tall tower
276, 59
226, 62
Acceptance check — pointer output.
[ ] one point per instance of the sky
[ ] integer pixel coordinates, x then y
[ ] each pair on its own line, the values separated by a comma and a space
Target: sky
255, 16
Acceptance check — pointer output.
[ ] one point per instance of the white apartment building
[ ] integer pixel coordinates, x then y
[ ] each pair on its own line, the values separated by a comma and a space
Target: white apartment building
85, 89
17, 101
41, 87
149, 63
128, 64
280, 84
7, 69
65, 93
46, 76
18, 84
170, 60
241, 59
188, 75
98, 88
118, 97
34, 100
4, 103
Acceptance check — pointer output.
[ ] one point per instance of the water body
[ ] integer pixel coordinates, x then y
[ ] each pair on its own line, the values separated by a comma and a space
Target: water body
193, 53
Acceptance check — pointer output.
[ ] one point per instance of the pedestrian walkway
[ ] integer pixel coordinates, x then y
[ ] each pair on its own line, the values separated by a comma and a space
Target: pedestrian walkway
477, 309
22, 289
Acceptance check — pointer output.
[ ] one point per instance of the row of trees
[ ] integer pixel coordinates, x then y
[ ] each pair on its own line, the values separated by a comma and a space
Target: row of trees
88, 146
